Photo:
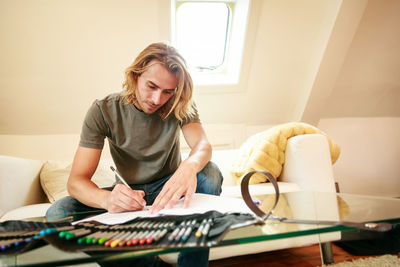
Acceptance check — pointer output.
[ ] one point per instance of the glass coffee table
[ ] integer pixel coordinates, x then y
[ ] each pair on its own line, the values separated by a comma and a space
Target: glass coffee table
294, 205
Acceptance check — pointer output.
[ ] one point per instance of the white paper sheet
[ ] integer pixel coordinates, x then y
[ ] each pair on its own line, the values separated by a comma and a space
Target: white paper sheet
200, 203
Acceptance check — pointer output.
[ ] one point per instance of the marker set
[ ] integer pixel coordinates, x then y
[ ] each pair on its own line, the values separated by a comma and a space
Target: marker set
10, 240
140, 234
16, 236
132, 234
196, 230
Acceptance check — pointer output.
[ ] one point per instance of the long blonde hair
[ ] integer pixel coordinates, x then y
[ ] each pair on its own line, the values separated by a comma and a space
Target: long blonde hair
181, 102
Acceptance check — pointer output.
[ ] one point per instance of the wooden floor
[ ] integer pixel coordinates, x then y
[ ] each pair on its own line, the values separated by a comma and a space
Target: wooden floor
300, 257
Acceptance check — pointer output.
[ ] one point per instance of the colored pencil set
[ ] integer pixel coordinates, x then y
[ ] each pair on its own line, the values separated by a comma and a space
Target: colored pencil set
10, 240
140, 233
145, 232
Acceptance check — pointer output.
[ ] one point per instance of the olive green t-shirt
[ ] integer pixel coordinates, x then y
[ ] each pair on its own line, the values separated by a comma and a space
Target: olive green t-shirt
143, 146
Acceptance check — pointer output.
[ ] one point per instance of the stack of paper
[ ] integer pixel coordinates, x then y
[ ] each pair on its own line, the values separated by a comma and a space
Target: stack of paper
200, 203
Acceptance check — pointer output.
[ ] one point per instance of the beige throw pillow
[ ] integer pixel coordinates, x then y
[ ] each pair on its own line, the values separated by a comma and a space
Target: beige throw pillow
54, 177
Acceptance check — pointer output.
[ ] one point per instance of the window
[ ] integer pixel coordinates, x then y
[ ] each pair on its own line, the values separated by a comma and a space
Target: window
202, 33
210, 36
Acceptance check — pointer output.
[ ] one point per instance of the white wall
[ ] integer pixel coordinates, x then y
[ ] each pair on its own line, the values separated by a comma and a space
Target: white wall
63, 146
336, 53
369, 163
58, 56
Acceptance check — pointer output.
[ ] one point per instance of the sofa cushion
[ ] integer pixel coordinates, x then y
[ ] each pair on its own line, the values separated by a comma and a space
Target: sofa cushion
266, 150
25, 212
54, 177
224, 159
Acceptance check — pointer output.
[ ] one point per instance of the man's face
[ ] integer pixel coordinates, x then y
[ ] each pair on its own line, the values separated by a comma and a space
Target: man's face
155, 87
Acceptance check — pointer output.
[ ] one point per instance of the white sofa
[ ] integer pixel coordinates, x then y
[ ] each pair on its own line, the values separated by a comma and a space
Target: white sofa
307, 167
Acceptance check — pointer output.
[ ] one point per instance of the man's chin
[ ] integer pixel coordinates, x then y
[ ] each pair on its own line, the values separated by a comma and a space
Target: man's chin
150, 111
147, 109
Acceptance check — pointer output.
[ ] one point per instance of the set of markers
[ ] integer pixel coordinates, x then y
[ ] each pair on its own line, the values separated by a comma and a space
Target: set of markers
138, 233
144, 232
183, 232
10, 240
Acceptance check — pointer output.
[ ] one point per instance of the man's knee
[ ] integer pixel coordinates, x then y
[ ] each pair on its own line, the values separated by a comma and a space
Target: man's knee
209, 180
66, 207
58, 210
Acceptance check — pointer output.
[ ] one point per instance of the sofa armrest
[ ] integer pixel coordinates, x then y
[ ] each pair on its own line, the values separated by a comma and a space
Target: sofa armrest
308, 163
19, 179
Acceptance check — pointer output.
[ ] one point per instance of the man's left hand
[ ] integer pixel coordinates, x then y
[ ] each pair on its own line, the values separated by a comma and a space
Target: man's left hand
182, 183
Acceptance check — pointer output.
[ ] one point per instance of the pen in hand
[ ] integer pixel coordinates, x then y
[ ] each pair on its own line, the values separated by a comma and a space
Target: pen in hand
119, 176
136, 195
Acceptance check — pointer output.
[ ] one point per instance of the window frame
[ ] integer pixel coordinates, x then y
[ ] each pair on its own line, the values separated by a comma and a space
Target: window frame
230, 69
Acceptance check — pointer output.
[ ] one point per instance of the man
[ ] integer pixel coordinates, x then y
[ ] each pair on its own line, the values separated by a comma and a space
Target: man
142, 126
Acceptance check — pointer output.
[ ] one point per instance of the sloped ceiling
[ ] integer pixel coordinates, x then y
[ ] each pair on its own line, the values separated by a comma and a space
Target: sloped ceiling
369, 82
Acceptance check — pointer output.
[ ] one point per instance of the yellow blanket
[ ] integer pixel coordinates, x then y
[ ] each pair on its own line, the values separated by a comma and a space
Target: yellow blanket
266, 150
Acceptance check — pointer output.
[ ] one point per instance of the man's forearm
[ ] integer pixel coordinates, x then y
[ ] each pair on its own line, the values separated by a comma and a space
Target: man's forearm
87, 192
199, 156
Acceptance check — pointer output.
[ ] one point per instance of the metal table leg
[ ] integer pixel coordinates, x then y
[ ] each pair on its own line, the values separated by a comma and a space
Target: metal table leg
326, 252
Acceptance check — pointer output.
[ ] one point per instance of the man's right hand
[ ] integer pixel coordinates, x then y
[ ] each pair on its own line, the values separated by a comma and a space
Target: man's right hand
80, 186
123, 199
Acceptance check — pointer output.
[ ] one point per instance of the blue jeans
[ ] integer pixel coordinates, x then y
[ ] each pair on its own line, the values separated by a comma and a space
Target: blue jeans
209, 181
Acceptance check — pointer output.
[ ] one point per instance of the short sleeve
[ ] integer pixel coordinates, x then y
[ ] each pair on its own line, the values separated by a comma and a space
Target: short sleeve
94, 128
194, 118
